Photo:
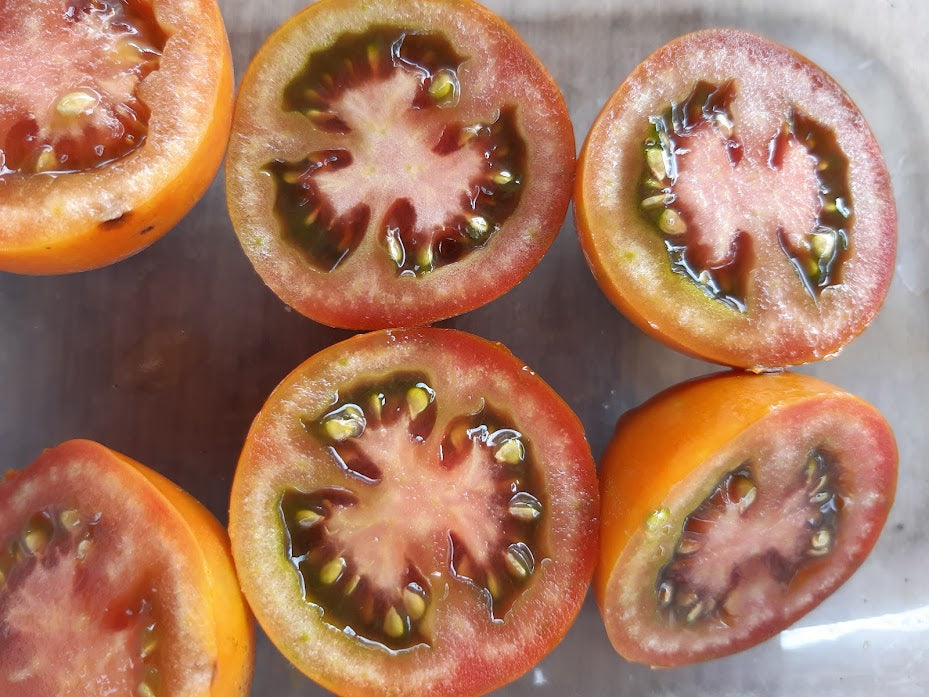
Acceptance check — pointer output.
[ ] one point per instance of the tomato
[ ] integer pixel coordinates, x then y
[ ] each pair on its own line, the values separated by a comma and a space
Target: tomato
733, 203
414, 512
115, 130
114, 581
733, 505
398, 162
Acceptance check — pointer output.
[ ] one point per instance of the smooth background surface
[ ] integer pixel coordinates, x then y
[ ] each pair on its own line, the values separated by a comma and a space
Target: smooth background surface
169, 355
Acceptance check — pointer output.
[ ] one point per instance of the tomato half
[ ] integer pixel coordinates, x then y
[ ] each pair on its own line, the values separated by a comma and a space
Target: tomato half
733, 505
398, 162
733, 203
415, 512
114, 581
114, 116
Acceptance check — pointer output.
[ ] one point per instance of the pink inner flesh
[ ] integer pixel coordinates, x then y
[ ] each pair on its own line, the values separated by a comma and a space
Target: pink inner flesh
71, 648
417, 504
45, 56
392, 150
717, 199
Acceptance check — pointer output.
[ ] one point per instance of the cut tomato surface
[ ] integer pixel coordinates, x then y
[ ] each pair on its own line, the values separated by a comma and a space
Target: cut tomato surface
733, 203
733, 505
415, 512
113, 132
113, 581
397, 163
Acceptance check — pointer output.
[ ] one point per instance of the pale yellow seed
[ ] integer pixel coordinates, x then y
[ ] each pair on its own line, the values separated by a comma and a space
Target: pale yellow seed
35, 540
417, 399
696, 612
671, 222
424, 259
373, 56
47, 160
658, 200
823, 244
503, 177
395, 249
145, 690
414, 603
493, 586
307, 518
352, 585
725, 125
149, 643
442, 88
524, 510
479, 226
291, 177
330, 573
394, 626
821, 539
655, 159
376, 405
83, 549
511, 452
70, 518
343, 428
76, 104
748, 498
2, 578
516, 563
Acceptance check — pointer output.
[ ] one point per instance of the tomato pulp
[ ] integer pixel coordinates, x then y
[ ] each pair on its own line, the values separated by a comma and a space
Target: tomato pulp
733, 505
114, 581
414, 512
397, 163
115, 130
733, 203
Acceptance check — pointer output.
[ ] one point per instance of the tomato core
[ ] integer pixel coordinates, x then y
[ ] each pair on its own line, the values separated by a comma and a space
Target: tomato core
369, 554
54, 557
713, 193
77, 106
433, 187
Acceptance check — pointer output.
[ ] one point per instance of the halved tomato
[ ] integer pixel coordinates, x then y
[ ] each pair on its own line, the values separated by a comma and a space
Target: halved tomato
113, 581
733, 505
399, 162
114, 116
414, 513
733, 203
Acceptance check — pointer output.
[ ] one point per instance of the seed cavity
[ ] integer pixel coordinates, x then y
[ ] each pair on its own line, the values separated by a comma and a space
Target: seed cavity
820, 543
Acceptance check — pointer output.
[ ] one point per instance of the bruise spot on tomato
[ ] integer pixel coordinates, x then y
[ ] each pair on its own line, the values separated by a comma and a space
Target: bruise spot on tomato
146, 230
55, 555
709, 195
435, 187
77, 107
417, 508
744, 537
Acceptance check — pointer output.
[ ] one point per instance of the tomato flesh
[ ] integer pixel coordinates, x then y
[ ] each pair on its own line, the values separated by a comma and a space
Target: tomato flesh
401, 525
739, 528
733, 203
110, 582
77, 107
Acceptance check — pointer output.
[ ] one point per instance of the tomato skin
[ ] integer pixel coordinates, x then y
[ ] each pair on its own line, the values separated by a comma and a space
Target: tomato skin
470, 655
75, 222
666, 447
377, 298
629, 260
186, 522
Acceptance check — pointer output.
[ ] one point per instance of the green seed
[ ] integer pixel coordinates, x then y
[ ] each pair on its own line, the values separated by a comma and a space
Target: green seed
394, 626
511, 452
519, 561
307, 518
414, 602
654, 157
347, 422
671, 222
331, 571
444, 88
417, 399
76, 104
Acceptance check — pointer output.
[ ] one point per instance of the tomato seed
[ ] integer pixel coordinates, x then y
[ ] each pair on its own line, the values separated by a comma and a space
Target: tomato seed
307, 518
525, 506
394, 626
70, 519
75, 104
331, 571
414, 601
519, 560
658, 200
671, 222
344, 423
144, 690
83, 549
511, 452
149, 641
418, 398
443, 88
655, 159
665, 594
